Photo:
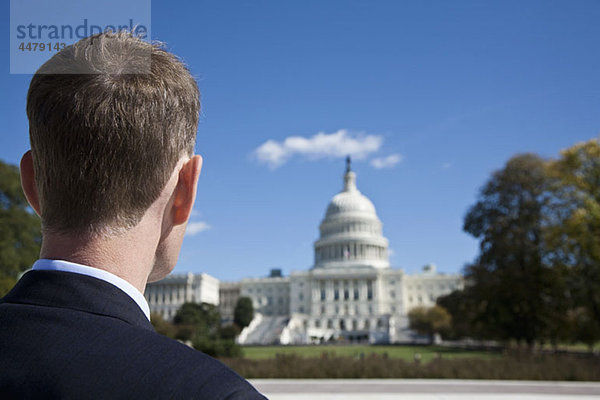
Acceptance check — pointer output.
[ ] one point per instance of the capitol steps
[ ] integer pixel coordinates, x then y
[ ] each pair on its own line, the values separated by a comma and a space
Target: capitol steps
263, 330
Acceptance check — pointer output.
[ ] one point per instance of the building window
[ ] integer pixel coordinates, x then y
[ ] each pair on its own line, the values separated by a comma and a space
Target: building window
329, 324
393, 294
301, 310
355, 293
370, 290
323, 294
322, 310
301, 296
354, 324
317, 323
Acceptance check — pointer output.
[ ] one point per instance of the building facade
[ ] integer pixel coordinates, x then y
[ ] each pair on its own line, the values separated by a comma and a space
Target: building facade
165, 297
350, 294
229, 293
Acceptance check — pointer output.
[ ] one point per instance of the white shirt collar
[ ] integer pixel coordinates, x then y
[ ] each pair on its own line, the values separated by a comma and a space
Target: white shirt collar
66, 266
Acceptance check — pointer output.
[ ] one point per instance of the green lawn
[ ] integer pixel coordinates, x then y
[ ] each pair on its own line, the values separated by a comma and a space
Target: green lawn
403, 352
572, 347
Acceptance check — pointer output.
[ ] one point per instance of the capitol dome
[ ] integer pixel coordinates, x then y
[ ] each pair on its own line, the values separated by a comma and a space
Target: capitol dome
351, 232
350, 201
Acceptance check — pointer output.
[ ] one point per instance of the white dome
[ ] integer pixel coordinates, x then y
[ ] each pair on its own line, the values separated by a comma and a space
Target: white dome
351, 234
350, 199
349, 202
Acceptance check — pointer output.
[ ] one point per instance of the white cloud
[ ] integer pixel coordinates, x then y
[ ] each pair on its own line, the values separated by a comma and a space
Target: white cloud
194, 228
447, 165
386, 162
321, 145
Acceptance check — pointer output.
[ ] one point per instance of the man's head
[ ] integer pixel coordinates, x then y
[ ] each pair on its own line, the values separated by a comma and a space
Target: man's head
105, 139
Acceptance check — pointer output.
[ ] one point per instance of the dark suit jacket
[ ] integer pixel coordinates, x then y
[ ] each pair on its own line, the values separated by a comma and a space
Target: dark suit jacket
70, 336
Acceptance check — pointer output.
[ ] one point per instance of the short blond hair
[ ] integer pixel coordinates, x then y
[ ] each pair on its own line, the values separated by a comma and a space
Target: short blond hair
105, 139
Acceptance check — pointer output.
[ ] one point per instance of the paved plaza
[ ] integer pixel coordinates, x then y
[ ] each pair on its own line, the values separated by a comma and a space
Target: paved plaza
422, 389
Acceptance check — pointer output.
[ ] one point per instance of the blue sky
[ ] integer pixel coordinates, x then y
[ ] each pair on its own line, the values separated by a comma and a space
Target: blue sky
439, 93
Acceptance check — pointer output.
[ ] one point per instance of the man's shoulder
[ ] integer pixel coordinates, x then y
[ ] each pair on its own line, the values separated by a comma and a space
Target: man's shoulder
73, 352
168, 366
193, 372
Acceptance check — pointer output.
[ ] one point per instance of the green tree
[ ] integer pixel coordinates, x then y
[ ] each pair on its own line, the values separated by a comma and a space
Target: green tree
217, 347
194, 319
429, 320
230, 331
575, 234
511, 285
463, 311
582, 327
201, 324
20, 232
243, 312
163, 326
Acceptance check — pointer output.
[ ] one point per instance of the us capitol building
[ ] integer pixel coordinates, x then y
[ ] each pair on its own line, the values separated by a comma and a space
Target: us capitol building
350, 293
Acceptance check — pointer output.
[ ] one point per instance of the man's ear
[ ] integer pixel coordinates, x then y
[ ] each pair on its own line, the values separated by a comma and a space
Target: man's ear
185, 191
28, 182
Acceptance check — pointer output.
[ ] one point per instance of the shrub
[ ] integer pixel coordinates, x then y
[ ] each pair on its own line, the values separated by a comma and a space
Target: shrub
563, 367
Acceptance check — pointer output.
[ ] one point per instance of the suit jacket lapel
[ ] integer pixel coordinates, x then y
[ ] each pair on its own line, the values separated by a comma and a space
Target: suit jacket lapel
77, 292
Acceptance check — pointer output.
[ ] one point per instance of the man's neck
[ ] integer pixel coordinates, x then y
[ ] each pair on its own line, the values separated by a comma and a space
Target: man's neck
127, 255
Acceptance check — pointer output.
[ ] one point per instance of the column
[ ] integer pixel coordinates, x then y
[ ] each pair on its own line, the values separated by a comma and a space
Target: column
329, 290
362, 289
315, 292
